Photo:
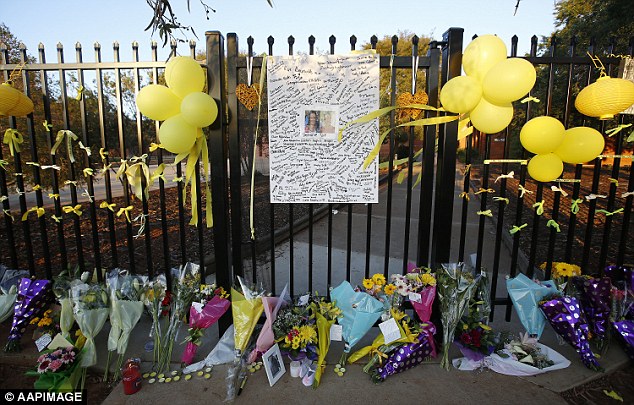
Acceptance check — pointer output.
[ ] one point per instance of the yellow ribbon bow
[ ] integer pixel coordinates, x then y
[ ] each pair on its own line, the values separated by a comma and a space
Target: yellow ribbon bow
177, 179
14, 139
609, 214
614, 181
80, 92
53, 196
552, 223
539, 207
487, 213
506, 200
515, 229
69, 136
530, 98
56, 218
465, 195
125, 211
3, 198
32, 164
8, 213
3, 164
466, 169
523, 190
37, 187
85, 148
155, 146
39, 210
484, 190
103, 154
158, 174
73, 182
136, 174
105, 168
574, 208
614, 131
75, 210
111, 207
88, 172
47, 126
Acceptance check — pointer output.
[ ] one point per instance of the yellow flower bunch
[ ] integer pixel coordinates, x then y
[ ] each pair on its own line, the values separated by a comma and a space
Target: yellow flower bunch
378, 279
34, 321
46, 321
389, 289
562, 269
428, 279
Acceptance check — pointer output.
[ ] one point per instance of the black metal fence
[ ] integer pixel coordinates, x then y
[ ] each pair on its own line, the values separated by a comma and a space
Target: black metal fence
102, 114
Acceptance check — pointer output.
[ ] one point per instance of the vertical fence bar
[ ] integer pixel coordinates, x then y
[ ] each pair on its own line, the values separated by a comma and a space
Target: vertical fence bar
106, 158
254, 264
218, 155
423, 254
73, 177
390, 157
483, 203
270, 41
36, 169
311, 51
89, 180
368, 235
291, 231
447, 145
332, 41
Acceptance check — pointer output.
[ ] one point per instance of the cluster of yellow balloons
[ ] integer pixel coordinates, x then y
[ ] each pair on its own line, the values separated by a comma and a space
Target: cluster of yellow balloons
553, 145
181, 104
491, 84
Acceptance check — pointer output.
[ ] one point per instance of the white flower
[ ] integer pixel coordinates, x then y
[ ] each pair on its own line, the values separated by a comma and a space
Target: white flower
85, 276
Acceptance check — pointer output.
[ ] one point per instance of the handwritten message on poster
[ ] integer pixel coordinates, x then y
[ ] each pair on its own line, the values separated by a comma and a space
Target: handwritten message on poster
309, 99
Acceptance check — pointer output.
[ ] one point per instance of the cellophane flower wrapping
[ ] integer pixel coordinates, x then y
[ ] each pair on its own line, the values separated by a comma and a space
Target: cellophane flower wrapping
622, 293
32, 298
408, 355
526, 295
266, 338
154, 295
359, 312
455, 288
567, 319
91, 310
201, 317
419, 285
595, 301
58, 370
625, 330
326, 314
7, 302
296, 331
185, 287
246, 309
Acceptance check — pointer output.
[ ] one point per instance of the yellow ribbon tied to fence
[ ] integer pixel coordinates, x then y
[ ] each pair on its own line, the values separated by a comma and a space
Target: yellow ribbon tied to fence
486, 213
75, 210
125, 211
88, 172
553, 224
465, 195
515, 229
484, 190
574, 207
111, 207
3, 164
14, 139
539, 207
501, 199
40, 211
69, 136
136, 172
609, 214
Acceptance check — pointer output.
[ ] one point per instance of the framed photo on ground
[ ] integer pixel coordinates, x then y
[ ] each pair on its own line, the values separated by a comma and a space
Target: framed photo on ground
273, 364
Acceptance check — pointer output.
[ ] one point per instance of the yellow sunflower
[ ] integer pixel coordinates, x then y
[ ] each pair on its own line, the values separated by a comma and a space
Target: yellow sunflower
389, 289
368, 283
378, 279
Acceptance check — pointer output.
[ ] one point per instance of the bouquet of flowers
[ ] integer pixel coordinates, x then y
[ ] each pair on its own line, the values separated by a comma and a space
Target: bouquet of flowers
294, 328
625, 330
567, 319
266, 339
385, 293
61, 289
622, 295
455, 288
33, 295
474, 337
246, 308
47, 324
561, 272
126, 308
57, 370
595, 301
185, 289
211, 303
525, 295
359, 312
7, 302
91, 308
419, 285
155, 298
522, 356
326, 314
415, 345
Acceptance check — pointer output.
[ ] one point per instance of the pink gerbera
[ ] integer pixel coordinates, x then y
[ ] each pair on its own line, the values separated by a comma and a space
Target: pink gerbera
55, 365
68, 358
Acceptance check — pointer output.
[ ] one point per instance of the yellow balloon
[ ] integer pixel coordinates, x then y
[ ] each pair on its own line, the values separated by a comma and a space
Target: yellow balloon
580, 145
176, 135
605, 97
199, 109
482, 54
542, 135
461, 94
158, 102
546, 167
184, 75
491, 118
509, 80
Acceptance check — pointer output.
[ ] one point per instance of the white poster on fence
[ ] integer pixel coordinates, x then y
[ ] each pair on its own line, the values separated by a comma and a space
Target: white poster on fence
309, 99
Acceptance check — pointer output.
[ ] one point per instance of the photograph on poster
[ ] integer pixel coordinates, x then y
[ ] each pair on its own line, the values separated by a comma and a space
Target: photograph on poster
320, 120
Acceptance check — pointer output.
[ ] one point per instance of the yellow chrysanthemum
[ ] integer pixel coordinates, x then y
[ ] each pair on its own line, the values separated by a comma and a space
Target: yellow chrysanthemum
307, 334
150, 295
378, 279
34, 321
295, 345
389, 289
428, 279
368, 283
